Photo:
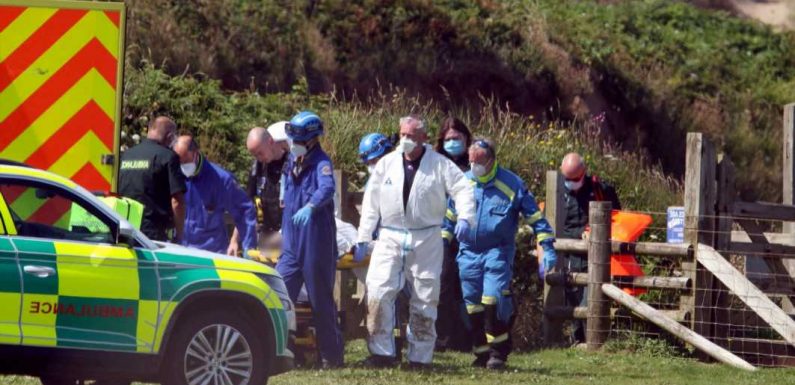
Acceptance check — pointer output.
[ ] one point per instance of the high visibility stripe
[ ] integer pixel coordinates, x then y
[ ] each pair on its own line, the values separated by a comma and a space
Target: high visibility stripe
535, 217
38, 43
473, 309
8, 221
451, 215
505, 189
146, 329
89, 176
9, 318
447, 235
481, 349
26, 204
82, 40
51, 212
72, 131
506, 293
495, 340
8, 14
166, 311
114, 17
38, 328
55, 87
544, 236
89, 144
113, 271
488, 300
14, 32
61, 112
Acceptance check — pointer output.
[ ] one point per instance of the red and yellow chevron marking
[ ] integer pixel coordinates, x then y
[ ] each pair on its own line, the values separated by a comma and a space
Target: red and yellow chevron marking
60, 90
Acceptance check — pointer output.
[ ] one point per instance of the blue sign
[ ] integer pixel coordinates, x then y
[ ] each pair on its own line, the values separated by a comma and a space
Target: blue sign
676, 225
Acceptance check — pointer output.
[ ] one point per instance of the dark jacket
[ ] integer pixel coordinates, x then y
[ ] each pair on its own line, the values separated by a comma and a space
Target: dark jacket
576, 205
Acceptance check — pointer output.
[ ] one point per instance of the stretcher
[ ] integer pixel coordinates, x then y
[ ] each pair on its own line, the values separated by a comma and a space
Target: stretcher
304, 341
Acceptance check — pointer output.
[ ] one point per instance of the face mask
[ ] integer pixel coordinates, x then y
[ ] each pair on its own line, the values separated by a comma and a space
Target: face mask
454, 147
298, 150
573, 186
478, 170
407, 145
370, 169
188, 169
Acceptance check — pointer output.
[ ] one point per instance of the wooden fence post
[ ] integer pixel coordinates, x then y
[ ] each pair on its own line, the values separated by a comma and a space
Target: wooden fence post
554, 296
788, 162
700, 202
598, 325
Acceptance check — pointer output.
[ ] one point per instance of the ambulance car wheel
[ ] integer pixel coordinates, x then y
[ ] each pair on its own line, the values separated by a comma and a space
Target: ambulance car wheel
217, 348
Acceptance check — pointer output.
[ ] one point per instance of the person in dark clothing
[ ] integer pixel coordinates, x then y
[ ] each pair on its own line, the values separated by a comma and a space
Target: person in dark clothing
453, 141
150, 173
580, 189
270, 149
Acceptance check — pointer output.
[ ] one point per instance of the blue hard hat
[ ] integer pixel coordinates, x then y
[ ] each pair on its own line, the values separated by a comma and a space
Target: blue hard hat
304, 126
373, 146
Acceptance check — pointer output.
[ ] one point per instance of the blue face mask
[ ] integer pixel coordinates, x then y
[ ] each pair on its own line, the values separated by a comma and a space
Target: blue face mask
454, 147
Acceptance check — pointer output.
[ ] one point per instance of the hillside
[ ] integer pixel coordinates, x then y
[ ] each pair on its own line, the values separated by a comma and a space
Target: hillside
654, 68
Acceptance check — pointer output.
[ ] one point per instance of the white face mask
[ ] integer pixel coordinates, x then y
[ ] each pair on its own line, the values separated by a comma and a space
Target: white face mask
188, 169
370, 169
298, 150
573, 186
407, 145
478, 170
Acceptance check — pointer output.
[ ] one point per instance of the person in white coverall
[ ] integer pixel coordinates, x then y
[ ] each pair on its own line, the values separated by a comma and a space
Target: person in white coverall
408, 191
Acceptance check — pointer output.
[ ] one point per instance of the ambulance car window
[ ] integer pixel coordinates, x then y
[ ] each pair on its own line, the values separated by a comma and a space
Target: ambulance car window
43, 211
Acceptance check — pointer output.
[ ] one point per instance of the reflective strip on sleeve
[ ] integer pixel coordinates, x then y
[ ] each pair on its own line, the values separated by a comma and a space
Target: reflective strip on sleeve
447, 235
451, 215
544, 236
535, 217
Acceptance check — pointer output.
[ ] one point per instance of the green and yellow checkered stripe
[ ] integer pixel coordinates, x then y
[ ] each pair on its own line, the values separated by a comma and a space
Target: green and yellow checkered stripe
108, 298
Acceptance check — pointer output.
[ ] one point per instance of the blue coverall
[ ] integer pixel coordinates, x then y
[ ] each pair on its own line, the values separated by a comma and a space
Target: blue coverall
211, 192
309, 252
486, 264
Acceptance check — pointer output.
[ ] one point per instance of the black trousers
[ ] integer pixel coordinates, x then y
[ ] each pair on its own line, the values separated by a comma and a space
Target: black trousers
452, 323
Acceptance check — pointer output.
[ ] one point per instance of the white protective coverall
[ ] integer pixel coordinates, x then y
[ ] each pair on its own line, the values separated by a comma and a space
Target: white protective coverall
409, 246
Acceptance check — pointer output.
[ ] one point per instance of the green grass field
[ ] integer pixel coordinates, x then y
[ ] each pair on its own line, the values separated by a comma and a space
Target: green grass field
561, 366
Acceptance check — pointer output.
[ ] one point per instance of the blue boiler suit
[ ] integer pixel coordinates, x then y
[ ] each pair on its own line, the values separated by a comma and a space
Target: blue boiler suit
211, 192
309, 252
486, 264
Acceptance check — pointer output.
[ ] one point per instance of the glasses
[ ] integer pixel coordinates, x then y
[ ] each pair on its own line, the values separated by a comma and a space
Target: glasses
576, 178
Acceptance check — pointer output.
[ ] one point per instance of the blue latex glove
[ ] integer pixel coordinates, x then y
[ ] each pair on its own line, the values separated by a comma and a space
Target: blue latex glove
301, 218
462, 231
360, 251
550, 258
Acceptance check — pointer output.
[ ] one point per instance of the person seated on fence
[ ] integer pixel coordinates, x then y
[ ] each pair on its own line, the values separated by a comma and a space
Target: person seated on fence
580, 188
485, 260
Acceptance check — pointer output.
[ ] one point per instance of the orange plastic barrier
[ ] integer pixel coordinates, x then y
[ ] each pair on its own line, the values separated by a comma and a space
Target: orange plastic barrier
627, 227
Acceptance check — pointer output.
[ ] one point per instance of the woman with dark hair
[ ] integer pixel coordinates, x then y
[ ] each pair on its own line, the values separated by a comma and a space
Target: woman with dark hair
453, 141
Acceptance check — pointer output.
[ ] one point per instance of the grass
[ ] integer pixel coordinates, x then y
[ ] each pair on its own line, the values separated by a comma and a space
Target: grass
559, 366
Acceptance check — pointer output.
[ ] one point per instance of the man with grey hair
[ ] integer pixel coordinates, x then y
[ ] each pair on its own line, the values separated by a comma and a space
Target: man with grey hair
408, 192
485, 262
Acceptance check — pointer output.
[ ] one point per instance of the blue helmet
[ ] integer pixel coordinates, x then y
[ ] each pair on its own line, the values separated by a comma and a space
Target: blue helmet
373, 146
304, 126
